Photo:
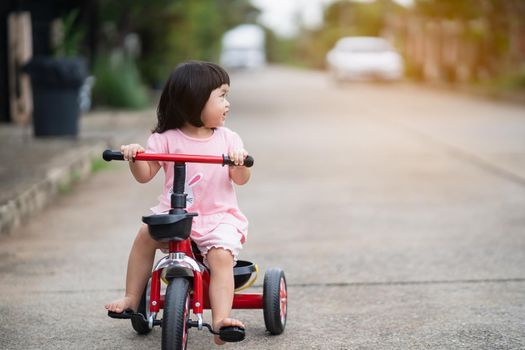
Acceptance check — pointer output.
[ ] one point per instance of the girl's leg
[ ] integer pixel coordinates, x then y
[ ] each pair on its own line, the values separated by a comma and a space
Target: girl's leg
140, 263
221, 265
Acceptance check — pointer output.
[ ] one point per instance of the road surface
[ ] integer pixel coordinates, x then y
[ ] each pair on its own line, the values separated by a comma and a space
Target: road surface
397, 213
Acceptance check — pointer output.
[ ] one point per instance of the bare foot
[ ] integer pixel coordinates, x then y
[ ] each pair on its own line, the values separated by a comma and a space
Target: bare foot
120, 305
225, 323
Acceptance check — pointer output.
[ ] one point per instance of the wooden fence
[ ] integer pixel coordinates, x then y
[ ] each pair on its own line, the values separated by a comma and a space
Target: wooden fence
459, 50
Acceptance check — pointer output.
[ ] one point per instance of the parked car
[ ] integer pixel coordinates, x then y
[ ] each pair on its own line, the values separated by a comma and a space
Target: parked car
364, 58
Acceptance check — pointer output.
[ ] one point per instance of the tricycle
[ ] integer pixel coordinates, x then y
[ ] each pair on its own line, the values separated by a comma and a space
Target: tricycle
185, 276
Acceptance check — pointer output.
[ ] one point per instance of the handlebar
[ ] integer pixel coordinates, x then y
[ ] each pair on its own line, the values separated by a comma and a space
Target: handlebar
110, 155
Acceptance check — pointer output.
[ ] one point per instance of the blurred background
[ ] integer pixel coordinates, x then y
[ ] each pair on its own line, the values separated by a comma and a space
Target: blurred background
387, 184
117, 53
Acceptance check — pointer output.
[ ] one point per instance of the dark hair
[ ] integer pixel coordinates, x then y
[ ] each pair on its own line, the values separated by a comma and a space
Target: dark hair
186, 92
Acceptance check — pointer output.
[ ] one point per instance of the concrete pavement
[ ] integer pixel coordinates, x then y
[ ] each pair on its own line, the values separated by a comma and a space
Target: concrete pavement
34, 170
397, 214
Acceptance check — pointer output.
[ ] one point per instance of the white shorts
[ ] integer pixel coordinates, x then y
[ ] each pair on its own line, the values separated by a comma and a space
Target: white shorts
223, 236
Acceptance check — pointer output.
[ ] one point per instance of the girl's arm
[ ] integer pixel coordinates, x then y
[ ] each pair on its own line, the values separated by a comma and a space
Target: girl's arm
238, 173
142, 171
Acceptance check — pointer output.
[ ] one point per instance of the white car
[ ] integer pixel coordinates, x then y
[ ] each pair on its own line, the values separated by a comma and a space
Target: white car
363, 58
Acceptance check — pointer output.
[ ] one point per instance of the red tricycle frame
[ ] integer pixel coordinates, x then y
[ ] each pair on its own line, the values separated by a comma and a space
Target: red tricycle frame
201, 281
182, 262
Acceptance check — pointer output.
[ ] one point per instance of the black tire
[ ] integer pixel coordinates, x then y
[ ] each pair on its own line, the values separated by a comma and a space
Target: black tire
142, 326
275, 300
176, 314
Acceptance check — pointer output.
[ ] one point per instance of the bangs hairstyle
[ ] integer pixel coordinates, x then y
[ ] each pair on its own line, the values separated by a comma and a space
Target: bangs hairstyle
186, 92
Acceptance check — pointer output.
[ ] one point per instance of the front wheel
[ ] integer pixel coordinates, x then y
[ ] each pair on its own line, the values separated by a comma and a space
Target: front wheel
275, 300
176, 314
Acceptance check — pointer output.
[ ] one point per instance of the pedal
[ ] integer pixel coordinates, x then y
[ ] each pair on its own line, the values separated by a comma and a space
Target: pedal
124, 315
138, 317
228, 334
232, 334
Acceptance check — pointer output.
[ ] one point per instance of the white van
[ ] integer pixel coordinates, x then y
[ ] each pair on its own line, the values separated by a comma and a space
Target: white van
243, 47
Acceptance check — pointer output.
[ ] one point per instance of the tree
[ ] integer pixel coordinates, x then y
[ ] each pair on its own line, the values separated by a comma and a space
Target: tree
344, 18
172, 31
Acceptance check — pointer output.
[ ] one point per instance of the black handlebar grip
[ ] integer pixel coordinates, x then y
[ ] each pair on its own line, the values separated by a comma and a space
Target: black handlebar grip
248, 161
110, 155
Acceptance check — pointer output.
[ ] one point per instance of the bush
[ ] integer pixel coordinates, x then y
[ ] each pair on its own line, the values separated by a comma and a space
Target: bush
515, 81
118, 84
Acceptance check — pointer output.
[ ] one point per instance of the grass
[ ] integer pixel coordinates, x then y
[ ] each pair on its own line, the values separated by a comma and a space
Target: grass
66, 186
98, 165
513, 82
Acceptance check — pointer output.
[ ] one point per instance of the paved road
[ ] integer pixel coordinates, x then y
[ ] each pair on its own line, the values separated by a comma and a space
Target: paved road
398, 214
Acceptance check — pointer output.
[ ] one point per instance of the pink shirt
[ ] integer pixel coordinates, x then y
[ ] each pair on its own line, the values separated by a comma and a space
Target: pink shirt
210, 190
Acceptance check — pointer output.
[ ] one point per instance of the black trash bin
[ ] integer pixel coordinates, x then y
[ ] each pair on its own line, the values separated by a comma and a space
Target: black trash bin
56, 86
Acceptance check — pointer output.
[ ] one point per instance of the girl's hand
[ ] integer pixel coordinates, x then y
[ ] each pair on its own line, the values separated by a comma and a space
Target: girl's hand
239, 174
237, 156
131, 150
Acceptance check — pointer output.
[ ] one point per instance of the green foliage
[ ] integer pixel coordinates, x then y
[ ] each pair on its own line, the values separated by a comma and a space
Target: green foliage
235, 12
118, 84
514, 81
69, 36
341, 18
356, 18
66, 184
465, 9
279, 50
175, 31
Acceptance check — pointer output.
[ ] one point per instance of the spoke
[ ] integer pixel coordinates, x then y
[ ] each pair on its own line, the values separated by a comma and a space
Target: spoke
283, 300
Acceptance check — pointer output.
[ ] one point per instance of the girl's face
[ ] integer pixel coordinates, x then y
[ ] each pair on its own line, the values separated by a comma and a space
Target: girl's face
214, 112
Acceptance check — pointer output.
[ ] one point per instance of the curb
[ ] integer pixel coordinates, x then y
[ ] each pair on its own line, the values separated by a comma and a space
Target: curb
58, 172
517, 98
77, 167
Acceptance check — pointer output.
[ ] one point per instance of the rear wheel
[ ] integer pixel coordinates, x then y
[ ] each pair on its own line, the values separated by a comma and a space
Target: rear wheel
176, 314
141, 326
275, 300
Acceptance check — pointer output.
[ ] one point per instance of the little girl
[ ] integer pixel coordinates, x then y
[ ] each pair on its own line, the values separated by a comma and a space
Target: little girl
191, 115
